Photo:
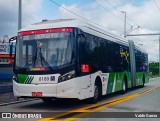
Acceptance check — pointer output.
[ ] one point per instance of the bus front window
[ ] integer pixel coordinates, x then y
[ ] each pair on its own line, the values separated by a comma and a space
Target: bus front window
46, 51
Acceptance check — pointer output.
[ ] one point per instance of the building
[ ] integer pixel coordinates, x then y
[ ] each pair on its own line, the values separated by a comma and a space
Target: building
6, 61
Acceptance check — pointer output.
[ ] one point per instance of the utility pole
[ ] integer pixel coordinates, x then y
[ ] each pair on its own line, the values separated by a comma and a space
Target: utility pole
124, 23
159, 54
125, 35
20, 15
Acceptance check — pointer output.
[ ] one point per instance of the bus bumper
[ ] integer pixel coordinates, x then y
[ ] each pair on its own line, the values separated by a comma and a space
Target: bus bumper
61, 90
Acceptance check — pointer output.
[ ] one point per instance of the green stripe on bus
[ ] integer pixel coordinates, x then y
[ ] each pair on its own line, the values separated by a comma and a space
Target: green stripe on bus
116, 78
115, 81
22, 78
27, 80
31, 79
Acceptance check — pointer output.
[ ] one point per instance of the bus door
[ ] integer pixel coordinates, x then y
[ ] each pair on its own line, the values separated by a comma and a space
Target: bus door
132, 63
83, 66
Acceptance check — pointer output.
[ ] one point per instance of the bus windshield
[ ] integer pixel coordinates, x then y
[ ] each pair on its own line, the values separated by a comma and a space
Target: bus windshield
47, 51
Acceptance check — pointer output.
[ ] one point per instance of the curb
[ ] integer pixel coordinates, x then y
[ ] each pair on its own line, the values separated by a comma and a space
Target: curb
16, 102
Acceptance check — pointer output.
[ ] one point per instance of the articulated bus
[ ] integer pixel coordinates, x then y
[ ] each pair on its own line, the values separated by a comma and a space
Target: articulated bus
70, 58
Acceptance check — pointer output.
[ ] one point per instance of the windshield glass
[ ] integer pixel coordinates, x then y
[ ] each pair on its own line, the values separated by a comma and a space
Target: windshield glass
44, 51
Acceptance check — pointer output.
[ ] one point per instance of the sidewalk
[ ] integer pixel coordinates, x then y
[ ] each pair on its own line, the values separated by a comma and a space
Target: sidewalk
7, 97
6, 93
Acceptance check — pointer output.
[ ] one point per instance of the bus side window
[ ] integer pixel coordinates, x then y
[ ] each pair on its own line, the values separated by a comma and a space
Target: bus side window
82, 49
109, 56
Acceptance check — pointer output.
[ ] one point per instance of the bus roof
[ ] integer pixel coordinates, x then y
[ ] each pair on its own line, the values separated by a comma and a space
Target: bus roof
83, 25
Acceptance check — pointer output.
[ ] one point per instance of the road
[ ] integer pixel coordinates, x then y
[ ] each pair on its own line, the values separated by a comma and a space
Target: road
119, 107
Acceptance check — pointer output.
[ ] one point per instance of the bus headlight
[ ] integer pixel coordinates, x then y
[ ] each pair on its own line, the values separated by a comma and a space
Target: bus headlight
15, 78
66, 76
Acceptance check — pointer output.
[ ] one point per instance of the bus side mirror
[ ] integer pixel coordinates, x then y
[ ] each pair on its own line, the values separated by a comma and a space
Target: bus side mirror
11, 45
81, 38
11, 50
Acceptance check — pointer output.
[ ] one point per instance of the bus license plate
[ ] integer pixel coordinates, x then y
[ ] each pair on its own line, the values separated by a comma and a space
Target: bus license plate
36, 94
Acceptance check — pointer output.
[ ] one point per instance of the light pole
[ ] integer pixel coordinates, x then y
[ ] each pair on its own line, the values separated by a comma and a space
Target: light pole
124, 23
159, 54
20, 15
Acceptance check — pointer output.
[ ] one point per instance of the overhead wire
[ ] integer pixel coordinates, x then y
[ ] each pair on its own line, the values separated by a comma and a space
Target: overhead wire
81, 16
120, 12
116, 15
129, 17
110, 11
156, 4
86, 18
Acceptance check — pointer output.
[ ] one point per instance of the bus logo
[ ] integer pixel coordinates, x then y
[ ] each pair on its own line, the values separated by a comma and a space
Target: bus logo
52, 78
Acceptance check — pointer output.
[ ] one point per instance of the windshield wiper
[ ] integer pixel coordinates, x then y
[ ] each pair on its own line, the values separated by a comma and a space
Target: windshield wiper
43, 60
33, 59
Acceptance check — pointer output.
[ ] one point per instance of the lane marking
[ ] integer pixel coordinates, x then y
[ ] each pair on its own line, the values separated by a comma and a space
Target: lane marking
81, 112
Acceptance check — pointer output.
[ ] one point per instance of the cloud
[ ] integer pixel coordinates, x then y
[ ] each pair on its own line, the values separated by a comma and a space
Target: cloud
144, 14
30, 11
9, 15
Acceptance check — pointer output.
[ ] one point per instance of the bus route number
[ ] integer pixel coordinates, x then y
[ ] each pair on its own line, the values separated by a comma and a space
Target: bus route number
43, 78
52, 78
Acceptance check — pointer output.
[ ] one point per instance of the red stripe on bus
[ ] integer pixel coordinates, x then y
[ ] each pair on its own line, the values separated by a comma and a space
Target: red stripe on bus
43, 31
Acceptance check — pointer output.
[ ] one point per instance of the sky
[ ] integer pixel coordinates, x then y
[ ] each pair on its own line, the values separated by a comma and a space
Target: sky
106, 13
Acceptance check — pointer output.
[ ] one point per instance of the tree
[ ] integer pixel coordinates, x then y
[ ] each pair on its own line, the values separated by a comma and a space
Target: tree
153, 67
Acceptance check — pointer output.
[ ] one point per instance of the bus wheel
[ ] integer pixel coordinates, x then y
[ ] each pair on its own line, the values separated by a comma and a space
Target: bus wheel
143, 81
124, 87
96, 96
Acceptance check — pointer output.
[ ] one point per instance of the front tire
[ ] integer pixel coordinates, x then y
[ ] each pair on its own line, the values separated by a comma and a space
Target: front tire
143, 81
96, 96
124, 87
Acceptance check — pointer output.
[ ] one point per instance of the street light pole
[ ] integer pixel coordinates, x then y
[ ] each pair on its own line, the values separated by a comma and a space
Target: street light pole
20, 15
124, 23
